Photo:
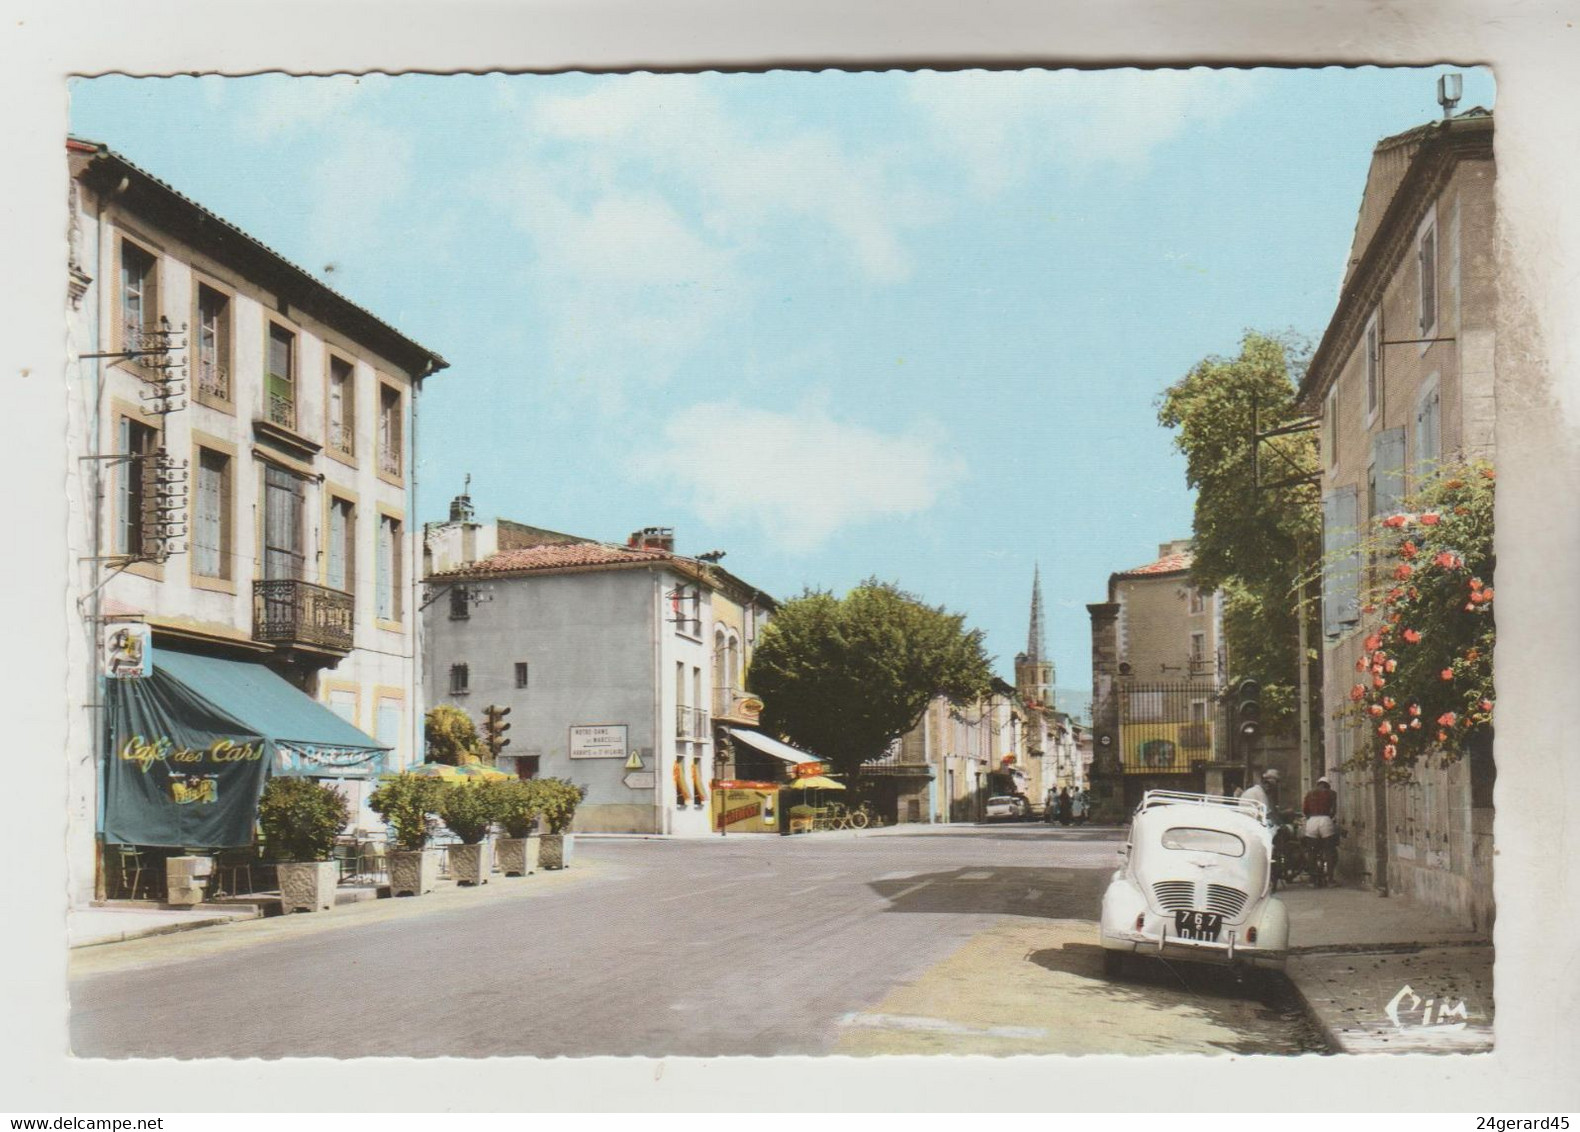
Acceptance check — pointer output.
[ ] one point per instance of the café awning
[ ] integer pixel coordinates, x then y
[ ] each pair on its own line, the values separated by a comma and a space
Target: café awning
772, 747
192, 744
308, 737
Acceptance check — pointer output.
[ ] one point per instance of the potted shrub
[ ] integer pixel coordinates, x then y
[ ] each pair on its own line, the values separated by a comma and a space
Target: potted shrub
300, 820
557, 801
517, 804
408, 802
468, 808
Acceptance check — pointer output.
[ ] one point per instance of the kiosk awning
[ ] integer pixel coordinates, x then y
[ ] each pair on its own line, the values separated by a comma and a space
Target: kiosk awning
772, 746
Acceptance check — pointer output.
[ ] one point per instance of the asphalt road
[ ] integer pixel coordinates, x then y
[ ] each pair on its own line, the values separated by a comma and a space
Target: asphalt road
945, 939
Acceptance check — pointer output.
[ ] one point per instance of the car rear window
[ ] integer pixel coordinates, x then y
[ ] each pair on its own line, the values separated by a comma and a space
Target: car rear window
1203, 841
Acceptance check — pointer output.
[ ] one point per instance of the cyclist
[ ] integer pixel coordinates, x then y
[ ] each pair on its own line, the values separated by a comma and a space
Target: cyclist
1320, 806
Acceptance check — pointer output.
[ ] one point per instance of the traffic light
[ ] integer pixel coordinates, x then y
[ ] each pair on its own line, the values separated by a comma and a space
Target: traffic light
1248, 709
494, 728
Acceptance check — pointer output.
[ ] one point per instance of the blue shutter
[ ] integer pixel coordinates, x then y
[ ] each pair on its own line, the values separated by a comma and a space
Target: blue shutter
1388, 461
1340, 562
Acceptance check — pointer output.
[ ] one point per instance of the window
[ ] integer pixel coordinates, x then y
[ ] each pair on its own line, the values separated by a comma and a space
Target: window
1198, 603
343, 702
140, 442
1330, 427
342, 545
1371, 368
1426, 258
213, 344
389, 431
387, 599
521, 674
342, 406
283, 555
460, 680
281, 380
460, 604
1428, 430
1203, 841
139, 300
1198, 651
211, 534
387, 727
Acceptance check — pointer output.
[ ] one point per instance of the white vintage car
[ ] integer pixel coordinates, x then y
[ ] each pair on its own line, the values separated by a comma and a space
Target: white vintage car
1196, 884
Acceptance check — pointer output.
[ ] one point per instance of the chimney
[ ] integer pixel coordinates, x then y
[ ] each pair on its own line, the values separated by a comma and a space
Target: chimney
461, 506
653, 538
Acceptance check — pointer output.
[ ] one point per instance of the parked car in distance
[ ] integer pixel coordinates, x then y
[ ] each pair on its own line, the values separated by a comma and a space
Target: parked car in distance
1196, 884
1005, 807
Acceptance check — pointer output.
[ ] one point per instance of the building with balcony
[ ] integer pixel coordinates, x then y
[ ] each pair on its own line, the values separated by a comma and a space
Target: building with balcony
239, 491
621, 665
1402, 383
1158, 669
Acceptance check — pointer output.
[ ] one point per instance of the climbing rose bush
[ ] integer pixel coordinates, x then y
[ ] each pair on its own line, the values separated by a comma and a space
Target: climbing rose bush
1424, 684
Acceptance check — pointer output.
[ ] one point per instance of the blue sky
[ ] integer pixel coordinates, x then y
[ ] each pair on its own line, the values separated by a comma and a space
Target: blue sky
911, 325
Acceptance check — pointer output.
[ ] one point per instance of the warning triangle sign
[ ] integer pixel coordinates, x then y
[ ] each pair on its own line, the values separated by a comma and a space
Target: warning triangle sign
635, 761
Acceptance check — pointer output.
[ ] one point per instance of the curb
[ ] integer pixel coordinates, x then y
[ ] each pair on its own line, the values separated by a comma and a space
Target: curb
1330, 1036
164, 929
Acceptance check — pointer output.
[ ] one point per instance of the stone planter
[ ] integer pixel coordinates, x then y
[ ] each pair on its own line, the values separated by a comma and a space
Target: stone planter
472, 864
518, 856
307, 886
555, 852
413, 871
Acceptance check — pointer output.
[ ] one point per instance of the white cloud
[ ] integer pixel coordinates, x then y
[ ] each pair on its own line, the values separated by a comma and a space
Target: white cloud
799, 476
1002, 124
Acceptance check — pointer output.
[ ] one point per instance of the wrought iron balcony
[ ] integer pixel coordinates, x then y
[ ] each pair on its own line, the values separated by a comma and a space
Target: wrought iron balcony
341, 437
213, 380
691, 723
389, 460
282, 411
289, 612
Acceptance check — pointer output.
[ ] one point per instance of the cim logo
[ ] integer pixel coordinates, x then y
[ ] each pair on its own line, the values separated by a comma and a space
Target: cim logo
1408, 1009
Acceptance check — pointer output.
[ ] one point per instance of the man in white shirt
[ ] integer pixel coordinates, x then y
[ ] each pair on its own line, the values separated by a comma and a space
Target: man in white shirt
1266, 792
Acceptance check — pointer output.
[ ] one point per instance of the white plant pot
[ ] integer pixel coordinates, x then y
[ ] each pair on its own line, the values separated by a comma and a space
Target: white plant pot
307, 886
413, 871
472, 864
556, 850
518, 856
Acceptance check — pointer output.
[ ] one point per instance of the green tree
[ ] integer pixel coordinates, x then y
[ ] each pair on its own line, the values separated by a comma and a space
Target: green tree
846, 677
451, 737
1254, 545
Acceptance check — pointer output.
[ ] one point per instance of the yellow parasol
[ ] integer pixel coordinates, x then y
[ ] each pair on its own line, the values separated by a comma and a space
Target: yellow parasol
815, 782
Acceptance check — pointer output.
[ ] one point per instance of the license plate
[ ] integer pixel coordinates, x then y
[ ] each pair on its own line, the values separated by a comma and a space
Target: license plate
1198, 925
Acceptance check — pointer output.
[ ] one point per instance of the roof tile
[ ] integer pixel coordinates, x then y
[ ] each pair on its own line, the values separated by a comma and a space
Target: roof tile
1168, 564
556, 556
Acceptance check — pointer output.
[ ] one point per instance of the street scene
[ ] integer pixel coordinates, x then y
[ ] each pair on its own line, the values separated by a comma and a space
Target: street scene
729, 593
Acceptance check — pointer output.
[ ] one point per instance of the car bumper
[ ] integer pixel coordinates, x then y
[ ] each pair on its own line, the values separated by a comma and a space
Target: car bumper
1228, 951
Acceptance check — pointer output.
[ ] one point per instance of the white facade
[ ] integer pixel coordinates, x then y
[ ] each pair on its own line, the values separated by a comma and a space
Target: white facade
335, 478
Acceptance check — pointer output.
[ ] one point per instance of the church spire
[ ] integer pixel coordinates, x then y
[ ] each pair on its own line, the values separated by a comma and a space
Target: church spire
1037, 638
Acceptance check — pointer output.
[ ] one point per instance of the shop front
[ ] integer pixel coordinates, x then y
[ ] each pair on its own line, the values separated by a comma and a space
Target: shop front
191, 745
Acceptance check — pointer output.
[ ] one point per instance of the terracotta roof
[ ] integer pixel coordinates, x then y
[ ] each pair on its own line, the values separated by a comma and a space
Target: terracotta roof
1168, 564
556, 556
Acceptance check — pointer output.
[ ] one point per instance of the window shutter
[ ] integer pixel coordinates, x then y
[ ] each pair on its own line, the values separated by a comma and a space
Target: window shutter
1340, 562
1388, 459
1428, 434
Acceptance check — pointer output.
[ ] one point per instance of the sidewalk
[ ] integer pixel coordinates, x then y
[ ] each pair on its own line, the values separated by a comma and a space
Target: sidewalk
1384, 975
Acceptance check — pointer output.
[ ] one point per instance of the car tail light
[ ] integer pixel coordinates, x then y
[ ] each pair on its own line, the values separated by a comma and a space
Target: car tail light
1141, 921
1250, 935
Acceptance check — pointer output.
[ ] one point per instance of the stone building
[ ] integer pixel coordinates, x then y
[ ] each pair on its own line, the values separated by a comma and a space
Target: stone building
621, 666
240, 443
1403, 381
1158, 670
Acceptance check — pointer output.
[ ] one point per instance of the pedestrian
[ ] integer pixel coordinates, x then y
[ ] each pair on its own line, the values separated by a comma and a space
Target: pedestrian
1266, 792
1064, 805
1078, 806
1321, 807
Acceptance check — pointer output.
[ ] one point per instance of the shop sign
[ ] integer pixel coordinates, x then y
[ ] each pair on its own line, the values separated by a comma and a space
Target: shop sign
599, 741
807, 770
128, 651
